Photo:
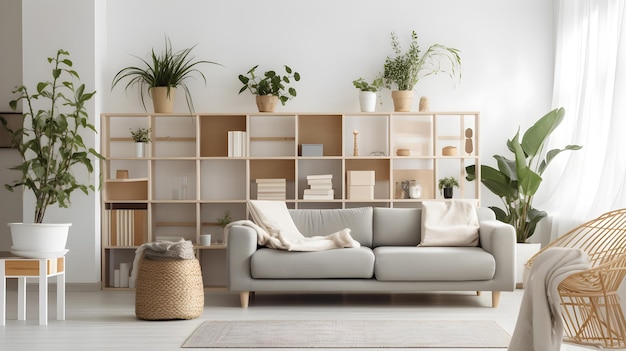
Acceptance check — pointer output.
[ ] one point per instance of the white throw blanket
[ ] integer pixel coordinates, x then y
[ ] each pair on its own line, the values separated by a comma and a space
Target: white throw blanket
450, 223
275, 229
539, 323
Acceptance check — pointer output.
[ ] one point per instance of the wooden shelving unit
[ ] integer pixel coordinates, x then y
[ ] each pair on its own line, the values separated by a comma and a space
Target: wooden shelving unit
187, 180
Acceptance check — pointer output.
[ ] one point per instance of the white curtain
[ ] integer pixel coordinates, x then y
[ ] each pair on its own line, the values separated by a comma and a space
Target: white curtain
590, 83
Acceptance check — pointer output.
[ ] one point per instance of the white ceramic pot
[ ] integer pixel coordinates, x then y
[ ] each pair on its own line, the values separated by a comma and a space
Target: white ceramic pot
39, 240
524, 252
367, 101
140, 149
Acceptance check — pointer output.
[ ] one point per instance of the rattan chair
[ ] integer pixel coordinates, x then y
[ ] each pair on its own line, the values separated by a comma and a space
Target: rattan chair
590, 305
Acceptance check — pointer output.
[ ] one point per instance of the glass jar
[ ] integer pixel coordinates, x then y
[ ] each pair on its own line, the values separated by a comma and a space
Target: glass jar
415, 189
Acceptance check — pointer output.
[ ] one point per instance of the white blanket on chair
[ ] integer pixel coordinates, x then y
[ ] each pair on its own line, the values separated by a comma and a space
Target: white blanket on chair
275, 229
539, 323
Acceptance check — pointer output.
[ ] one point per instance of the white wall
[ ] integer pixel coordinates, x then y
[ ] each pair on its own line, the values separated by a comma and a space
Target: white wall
506, 45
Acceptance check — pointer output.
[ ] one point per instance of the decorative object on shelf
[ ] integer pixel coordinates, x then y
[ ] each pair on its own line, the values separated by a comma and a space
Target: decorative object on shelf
469, 143
448, 151
403, 152
55, 115
270, 88
516, 181
405, 189
361, 185
121, 174
399, 192
312, 150
405, 69
141, 136
162, 75
205, 239
225, 219
447, 185
367, 93
415, 189
424, 104
356, 144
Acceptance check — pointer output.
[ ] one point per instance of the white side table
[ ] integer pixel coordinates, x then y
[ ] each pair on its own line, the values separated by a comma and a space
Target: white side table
40, 269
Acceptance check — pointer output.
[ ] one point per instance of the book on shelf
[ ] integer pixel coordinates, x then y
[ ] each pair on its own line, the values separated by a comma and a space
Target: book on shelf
317, 197
330, 192
319, 176
321, 186
271, 180
270, 196
237, 142
126, 227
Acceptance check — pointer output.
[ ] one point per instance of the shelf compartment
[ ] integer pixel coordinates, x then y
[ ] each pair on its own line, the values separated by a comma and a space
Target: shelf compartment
174, 180
209, 214
413, 133
174, 221
214, 133
319, 166
321, 129
372, 137
126, 189
272, 135
380, 168
223, 179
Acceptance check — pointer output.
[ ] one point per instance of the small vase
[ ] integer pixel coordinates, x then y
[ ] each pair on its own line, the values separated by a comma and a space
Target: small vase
402, 100
140, 149
415, 189
266, 103
367, 101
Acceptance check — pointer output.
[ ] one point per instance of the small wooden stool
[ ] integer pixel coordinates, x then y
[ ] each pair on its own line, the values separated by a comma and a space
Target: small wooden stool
40, 268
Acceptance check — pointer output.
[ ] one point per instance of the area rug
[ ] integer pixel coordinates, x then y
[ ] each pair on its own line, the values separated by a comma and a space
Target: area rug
348, 334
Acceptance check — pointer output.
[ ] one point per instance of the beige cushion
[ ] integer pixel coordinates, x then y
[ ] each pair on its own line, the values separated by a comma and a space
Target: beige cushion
449, 223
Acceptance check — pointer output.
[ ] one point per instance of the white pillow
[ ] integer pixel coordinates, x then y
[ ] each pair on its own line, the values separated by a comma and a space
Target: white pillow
449, 223
273, 216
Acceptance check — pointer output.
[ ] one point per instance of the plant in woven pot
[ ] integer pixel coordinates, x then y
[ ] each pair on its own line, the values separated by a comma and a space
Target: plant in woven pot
270, 88
161, 75
404, 70
51, 146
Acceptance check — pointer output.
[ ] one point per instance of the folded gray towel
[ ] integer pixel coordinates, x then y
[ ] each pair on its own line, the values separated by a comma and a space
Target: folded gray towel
169, 250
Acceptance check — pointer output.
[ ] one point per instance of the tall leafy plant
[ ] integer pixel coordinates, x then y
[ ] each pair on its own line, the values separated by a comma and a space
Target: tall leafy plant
517, 180
405, 69
50, 142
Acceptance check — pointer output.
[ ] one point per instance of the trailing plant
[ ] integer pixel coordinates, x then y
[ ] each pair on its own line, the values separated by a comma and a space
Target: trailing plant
448, 182
363, 85
517, 180
405, 69
50, 142
271, 83
167, 69
141, 135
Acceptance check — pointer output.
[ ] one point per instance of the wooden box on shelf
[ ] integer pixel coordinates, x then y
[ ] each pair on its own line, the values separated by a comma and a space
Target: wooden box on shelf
126, 189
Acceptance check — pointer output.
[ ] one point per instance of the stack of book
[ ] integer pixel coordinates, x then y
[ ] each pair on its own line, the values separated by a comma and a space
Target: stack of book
271, 189
125, 227
237, 143
320, 187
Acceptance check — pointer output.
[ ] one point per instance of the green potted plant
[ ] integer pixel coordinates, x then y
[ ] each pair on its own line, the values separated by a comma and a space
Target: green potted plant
162, 75
367, 93
447, 185
141, 136
517, 180
405, 69
51, 146
270, 88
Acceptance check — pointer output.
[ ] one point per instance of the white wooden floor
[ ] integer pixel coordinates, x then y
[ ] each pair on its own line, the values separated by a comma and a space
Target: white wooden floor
105, 320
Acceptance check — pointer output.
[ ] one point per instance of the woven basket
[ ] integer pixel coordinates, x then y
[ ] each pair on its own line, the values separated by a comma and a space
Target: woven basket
169, 289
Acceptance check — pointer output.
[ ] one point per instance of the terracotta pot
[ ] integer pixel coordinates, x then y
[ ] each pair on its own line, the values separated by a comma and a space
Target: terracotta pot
402, 100
266, 103
163, 103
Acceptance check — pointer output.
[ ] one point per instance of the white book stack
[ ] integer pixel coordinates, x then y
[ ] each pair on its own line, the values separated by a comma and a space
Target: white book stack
320, 187
271, 189
237, 143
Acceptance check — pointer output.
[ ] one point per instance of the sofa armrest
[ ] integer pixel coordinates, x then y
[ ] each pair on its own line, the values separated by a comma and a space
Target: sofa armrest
242, 243
498, 238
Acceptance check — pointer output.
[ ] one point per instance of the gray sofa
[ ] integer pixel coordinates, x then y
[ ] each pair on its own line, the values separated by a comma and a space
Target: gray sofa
388, 261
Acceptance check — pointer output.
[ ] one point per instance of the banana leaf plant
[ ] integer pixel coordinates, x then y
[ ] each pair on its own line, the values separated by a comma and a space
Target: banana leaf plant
517, 180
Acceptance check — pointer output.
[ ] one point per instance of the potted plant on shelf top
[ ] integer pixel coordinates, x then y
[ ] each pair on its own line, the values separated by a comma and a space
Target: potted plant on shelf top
141, 136
161, 75
367, 93
517, 180
270, 88
405, 69
447, 185
51, 146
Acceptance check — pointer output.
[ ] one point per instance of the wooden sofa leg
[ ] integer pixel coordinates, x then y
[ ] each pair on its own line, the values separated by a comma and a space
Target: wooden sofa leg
244, 297
478, 293
495, 298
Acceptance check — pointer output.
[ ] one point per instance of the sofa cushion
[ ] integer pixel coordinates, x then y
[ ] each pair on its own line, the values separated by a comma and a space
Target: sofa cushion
340, 263
433, 263
397, 226
325, 221
450, 223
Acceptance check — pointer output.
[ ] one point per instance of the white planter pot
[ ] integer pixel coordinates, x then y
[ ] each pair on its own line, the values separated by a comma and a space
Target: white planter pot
524, 252
39, 240
140, 149
367, 101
